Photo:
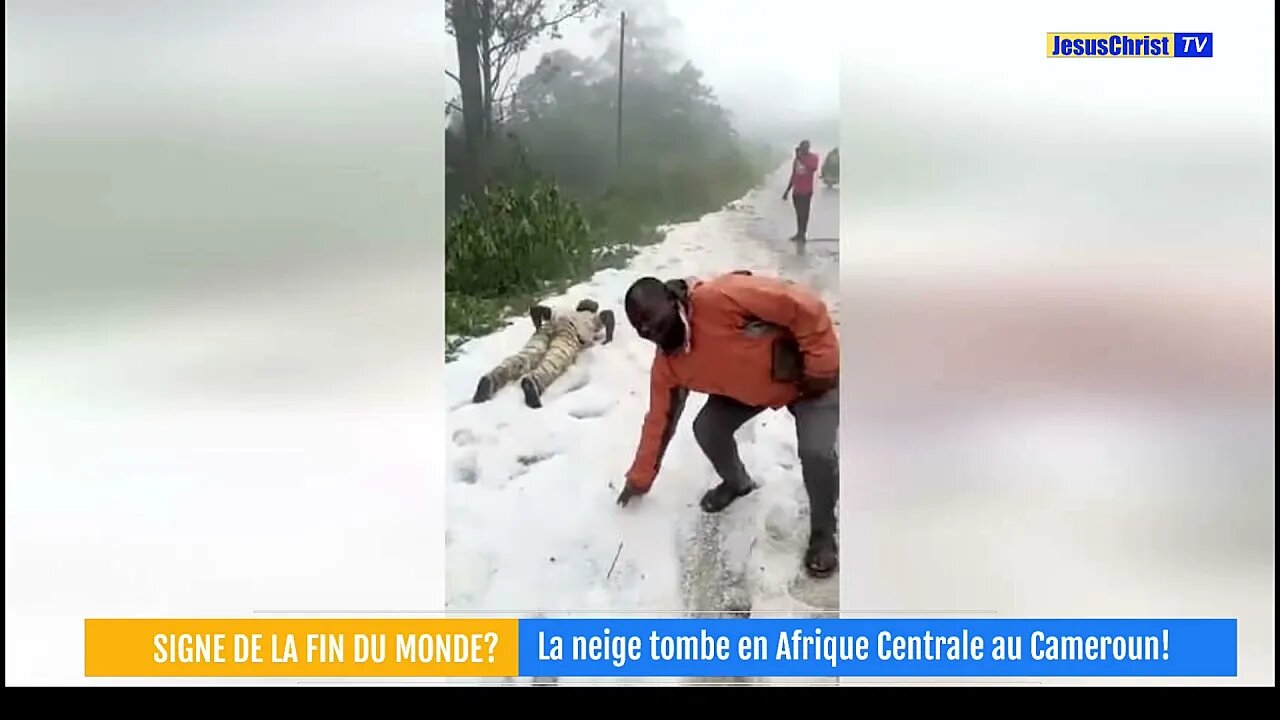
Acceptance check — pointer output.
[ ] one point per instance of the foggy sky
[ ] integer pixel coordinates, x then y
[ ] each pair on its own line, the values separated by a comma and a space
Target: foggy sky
765, 59
768, 62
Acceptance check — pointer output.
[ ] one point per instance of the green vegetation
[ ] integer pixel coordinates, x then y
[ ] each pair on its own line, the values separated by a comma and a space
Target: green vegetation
539, 195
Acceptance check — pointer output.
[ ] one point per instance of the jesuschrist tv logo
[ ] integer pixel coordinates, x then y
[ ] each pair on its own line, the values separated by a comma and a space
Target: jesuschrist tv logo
1129, 45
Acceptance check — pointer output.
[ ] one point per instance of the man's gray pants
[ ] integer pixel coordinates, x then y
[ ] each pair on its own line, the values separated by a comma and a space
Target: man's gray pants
817, 428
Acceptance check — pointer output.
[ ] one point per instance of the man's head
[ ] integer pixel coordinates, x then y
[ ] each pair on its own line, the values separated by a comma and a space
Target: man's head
654, 311
802, 148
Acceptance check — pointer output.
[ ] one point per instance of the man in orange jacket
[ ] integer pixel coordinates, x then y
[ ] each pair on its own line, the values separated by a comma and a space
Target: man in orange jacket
750, 343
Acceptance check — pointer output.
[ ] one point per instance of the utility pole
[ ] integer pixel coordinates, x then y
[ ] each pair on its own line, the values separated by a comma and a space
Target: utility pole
622, 44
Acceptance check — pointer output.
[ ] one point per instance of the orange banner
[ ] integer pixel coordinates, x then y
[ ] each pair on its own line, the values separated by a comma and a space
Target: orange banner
295, 647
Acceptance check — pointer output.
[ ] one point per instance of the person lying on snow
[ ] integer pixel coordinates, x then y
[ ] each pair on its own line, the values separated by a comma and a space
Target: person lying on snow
557, 340
749, 343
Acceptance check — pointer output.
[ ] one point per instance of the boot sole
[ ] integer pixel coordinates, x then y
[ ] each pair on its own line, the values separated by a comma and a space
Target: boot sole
531, 397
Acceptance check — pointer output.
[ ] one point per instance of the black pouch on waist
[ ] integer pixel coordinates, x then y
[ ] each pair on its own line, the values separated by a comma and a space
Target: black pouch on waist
788, 361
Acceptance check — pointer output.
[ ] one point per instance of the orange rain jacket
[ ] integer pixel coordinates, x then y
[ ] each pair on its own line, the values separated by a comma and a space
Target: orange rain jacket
752, 339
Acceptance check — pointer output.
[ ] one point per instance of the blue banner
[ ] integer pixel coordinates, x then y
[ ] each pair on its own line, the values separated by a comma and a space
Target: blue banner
948, 647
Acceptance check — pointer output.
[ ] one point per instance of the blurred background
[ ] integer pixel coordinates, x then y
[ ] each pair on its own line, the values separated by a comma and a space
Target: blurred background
1059, 397
223, 267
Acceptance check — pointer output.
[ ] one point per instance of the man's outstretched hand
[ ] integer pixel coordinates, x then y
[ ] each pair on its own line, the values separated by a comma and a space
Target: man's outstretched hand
627, 493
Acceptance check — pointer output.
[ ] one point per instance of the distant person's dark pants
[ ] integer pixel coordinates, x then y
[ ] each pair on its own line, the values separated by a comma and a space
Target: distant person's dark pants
802, 212
817, 426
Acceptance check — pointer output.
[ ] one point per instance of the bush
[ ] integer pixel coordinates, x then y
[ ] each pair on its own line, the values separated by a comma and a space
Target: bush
514, 242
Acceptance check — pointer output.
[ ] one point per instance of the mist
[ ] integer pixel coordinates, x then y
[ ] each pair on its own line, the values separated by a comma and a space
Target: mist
774, 66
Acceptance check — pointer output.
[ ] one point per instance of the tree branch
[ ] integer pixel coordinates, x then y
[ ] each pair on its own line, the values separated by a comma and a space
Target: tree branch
499, 63
511, 79
502, 12
575, 9
506, 96
455, 78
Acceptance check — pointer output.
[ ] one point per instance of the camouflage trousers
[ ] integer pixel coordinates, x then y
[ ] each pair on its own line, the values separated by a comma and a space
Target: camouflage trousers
548, 354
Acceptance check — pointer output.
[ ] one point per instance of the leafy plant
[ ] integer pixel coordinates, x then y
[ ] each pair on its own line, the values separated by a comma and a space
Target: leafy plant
512, 241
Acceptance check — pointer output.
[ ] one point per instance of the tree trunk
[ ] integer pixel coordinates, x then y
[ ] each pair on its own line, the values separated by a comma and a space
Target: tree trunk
466, 26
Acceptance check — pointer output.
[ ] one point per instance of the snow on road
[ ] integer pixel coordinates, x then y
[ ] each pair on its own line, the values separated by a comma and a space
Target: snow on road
532, 523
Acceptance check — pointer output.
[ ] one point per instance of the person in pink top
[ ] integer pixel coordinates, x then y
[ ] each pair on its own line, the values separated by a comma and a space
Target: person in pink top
800, 187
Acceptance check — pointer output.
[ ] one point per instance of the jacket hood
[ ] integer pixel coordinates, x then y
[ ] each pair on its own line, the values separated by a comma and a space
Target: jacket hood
680, 287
